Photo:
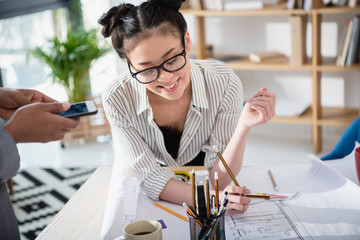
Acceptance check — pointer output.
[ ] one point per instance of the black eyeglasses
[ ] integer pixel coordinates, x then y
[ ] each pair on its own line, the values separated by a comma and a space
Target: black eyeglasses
172, 64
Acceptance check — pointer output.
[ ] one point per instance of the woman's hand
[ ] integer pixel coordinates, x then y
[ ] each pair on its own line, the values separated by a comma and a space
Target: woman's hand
259, 109
238, 203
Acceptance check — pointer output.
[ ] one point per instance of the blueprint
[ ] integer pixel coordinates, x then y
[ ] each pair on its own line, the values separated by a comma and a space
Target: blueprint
266, 220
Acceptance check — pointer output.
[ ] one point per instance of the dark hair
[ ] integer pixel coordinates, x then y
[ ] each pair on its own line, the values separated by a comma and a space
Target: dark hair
128, 24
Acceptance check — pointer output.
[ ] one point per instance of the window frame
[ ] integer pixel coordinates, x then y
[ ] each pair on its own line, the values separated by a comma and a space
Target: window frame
13, 8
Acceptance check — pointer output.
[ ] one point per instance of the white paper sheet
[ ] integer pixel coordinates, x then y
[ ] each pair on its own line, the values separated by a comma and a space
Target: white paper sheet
346, 165
326, 207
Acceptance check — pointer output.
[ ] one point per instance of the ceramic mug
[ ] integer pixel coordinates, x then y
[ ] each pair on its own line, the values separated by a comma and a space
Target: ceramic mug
142, 230
357, 162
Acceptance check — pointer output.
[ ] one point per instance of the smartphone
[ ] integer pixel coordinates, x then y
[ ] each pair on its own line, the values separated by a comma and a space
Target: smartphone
80, 109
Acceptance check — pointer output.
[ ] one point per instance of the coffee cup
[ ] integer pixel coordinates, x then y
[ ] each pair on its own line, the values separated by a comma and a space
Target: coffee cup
142, 230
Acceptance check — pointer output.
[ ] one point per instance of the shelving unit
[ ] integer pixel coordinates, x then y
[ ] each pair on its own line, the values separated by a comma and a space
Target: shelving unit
316, 116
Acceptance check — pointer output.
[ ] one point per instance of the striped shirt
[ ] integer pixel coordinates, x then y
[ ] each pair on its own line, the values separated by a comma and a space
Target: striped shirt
213, 114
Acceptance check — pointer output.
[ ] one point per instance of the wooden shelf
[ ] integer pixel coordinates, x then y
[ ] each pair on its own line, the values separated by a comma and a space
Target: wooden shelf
336, 10
338, 116
90, 127
316, 115
305, 118
253, 12
278, 65
331, 117
329, 65
270, 10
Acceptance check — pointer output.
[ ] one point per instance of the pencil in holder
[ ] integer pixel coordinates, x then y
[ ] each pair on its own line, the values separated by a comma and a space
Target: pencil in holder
209, 228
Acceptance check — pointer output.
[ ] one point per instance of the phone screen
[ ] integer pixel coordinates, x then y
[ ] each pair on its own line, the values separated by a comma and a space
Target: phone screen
75, 109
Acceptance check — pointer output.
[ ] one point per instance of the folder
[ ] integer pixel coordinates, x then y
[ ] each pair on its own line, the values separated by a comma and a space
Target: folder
353, 50
341, 60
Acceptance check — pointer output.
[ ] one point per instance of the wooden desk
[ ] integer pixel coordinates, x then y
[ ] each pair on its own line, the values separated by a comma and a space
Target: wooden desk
82, 215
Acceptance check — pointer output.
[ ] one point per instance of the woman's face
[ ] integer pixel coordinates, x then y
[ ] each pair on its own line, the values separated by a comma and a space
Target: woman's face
153, 51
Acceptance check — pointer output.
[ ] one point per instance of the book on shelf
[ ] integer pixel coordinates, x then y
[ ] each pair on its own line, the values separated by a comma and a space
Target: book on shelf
298, 39
326, 2
345, 45
212, 4
243, 4
258, 57
353, 50
341, 43
339, 3
353, 3
197, 4
300, 4
291, 4
229, 58
312, 4
305, 4
273, 2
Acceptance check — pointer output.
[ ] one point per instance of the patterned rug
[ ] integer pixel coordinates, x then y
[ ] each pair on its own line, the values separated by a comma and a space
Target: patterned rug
40, 193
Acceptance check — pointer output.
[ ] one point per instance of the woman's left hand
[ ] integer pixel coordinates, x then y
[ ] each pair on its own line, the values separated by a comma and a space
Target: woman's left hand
259, 109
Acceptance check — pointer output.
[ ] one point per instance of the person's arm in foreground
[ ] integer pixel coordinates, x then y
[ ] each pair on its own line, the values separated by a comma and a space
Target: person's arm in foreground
32, 116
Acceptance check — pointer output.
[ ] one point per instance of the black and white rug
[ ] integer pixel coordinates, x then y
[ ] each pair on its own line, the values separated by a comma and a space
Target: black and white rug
40, 193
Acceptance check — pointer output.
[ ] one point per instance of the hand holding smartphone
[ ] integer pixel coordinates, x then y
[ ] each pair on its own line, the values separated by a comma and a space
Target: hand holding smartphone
80, 109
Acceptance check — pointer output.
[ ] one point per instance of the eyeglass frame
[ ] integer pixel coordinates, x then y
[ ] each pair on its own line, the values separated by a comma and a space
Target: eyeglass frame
161, 66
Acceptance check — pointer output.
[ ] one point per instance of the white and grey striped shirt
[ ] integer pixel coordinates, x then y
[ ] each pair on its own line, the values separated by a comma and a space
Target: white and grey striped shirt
215, 108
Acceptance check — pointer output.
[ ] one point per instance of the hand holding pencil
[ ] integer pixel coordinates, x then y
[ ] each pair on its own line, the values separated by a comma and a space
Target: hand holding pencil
238, 196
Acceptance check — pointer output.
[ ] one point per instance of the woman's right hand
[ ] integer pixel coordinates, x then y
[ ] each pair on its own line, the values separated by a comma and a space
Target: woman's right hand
238, 203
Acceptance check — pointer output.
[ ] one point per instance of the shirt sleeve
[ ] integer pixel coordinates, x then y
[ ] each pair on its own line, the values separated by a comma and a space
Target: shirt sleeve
9, 156
131, 151
228, 115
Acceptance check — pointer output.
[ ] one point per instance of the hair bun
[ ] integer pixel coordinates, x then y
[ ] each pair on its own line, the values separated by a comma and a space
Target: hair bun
171, 4
113, 17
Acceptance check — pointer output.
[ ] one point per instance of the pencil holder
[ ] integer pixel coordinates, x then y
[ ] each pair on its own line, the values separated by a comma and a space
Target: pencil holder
212, 228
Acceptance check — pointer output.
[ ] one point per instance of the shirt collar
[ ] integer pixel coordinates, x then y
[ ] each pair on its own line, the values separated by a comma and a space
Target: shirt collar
140, 96
198, 87
199, 98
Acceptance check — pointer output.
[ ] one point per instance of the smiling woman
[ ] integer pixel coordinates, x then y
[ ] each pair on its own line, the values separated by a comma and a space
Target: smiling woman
168, 110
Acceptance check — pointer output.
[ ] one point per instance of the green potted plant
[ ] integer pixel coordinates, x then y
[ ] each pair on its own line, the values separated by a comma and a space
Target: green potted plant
71, 59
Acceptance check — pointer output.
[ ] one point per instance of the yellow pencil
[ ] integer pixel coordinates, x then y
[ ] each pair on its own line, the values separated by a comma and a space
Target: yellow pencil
236, 182
207, 195
193, 189
228, 169
191, 213
216, 177
257, 196
217, 201
171, 211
